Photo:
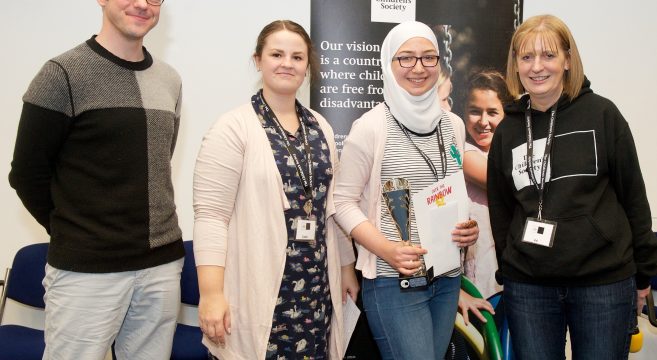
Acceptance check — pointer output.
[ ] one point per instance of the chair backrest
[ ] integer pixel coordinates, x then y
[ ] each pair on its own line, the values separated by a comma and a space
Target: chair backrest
27, 273
23, 283
188, 280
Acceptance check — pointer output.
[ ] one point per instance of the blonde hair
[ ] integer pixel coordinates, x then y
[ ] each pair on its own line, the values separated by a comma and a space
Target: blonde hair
555, 36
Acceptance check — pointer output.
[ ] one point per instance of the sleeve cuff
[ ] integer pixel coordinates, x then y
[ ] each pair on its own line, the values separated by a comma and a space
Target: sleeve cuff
642, 281
498, 277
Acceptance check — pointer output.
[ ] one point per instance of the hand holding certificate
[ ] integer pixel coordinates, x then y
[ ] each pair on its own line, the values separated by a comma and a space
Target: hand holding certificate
438, 208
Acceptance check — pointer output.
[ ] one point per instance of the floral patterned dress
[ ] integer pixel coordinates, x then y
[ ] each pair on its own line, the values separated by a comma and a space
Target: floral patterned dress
301, 322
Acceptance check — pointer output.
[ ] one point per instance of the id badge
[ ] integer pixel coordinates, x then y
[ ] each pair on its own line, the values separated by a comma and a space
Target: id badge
306, 229
539, 232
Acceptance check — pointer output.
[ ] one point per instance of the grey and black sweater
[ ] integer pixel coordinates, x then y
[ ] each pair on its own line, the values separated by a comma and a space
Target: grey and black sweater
92, 161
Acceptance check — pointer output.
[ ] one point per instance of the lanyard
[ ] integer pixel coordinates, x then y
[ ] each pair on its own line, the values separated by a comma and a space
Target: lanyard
307, 180
546, 154
441, 148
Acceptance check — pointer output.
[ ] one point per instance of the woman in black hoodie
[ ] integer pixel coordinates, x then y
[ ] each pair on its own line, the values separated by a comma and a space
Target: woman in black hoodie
568, 206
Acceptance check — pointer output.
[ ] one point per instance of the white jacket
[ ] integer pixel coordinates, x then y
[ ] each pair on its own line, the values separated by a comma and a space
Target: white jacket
239, 224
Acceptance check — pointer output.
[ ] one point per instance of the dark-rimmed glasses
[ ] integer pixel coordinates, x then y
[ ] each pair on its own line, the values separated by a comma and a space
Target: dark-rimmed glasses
155, 2
410, 61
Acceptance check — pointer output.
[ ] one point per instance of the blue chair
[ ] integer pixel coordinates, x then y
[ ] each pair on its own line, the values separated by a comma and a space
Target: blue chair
187, 339
22, 284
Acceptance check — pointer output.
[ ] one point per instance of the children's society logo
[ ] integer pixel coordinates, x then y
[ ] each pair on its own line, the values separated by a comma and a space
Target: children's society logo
393, 11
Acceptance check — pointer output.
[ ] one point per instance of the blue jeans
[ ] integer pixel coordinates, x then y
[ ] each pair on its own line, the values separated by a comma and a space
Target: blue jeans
599, 319
411, 324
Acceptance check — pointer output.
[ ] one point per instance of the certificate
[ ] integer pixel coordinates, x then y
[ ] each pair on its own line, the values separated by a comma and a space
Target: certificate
438, 208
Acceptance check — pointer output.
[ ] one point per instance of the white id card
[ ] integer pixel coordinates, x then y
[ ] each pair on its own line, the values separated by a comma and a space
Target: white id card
539, 232
306, 229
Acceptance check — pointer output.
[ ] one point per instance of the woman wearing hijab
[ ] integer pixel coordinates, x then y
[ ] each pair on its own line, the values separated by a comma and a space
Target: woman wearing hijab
408, 136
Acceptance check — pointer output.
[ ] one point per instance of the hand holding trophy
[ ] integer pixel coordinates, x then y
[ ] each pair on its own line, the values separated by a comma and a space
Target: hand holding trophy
396, 193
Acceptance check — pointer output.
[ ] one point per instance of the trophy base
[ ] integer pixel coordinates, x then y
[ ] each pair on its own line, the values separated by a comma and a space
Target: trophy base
416, 281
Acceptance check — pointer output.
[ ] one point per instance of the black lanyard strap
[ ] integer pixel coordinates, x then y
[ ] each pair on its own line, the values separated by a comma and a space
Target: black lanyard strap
308, 179
540, 187
441, 148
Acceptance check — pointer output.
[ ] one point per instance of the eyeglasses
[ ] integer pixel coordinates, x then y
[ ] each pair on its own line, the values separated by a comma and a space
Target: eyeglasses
155, 2
411, 61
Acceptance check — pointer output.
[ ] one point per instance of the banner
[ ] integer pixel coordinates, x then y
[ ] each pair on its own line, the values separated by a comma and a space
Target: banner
348, 35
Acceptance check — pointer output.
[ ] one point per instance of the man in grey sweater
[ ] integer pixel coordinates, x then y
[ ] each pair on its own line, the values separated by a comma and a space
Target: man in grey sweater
92, 165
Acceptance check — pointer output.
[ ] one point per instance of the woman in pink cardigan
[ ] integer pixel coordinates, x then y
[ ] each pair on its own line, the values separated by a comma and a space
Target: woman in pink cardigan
408, 136
273, 272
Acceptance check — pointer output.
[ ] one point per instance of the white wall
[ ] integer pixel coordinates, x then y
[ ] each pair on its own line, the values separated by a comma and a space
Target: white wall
210, 43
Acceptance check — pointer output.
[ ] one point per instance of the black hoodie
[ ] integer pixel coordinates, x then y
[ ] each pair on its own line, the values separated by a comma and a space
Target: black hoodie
594, 192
